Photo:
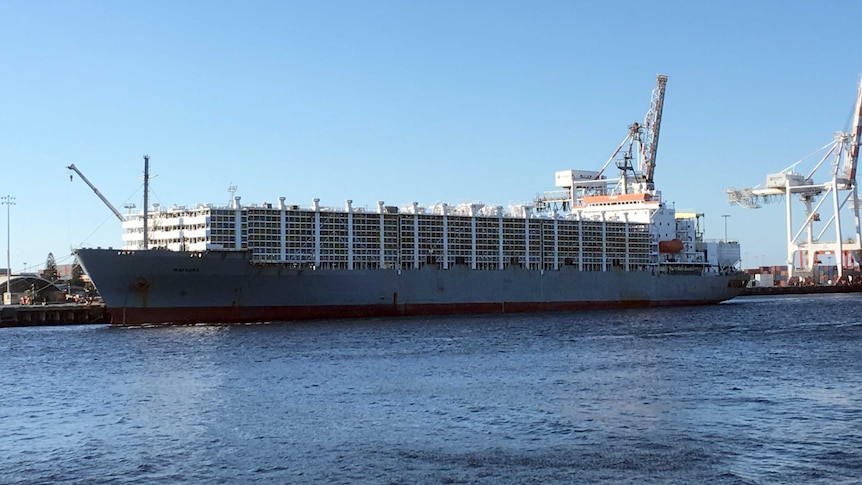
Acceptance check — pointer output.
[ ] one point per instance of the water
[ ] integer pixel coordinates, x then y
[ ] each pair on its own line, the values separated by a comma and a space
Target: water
756, 390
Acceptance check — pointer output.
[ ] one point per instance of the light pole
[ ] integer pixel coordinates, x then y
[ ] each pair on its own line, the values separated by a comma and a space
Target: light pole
9, 201
725, 226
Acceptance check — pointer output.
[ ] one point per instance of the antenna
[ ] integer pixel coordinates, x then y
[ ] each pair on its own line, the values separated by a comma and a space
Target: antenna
232, 189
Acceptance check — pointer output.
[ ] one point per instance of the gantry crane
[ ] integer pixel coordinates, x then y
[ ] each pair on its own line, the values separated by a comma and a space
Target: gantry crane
844, 152
117, 213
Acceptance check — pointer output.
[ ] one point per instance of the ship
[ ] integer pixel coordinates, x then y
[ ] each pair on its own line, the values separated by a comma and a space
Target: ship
593, 242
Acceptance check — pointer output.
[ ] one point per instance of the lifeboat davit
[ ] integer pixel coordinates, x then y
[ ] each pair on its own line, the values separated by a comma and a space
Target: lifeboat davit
672, 246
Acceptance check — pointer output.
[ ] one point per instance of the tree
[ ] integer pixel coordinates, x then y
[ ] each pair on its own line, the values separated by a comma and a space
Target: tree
77, 273
51, 268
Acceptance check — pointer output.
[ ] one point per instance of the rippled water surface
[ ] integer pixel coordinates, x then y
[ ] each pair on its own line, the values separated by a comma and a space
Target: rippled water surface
756, 390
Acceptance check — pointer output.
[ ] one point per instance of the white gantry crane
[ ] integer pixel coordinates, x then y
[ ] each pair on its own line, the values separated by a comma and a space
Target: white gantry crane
804, 244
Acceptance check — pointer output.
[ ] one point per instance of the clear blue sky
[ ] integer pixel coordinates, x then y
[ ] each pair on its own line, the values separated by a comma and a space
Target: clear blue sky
401, 101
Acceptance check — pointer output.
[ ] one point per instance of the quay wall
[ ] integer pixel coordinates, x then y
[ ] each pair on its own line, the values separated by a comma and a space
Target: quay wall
60, 314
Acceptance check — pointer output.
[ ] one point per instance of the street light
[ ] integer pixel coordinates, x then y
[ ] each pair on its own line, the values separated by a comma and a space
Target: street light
725, 226
8, 201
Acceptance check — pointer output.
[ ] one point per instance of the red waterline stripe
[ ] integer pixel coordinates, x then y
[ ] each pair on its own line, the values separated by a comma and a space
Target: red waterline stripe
186, 315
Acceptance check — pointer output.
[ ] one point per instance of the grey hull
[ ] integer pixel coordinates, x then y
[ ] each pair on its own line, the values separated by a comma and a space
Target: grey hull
141, 287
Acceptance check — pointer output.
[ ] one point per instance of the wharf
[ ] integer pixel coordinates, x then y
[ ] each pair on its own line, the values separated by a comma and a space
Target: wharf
800, 290
59, 314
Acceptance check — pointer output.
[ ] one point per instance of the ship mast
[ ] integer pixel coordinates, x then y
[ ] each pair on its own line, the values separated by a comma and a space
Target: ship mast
146, 197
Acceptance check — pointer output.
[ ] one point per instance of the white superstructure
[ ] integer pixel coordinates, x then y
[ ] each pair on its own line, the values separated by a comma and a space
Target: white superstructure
590, 221
628, 231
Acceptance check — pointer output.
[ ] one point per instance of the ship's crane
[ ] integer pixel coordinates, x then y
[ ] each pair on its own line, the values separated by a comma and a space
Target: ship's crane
645, 136
636, 176
652, 126
844, 152
117, 213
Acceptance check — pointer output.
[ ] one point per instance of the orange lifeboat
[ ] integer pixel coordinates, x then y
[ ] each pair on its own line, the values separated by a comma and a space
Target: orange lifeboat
672, 246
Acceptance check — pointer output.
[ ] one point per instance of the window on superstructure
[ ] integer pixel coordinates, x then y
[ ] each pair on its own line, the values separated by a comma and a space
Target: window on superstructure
548, 254
460, 240
333, 239
568, 242
592, 245
391, 246
487, 243
366, 240
299, 236
514, 241
430, 237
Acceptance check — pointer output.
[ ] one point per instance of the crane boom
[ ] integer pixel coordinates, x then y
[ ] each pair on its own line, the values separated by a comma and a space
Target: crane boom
857, 131
652, 123
107, 203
